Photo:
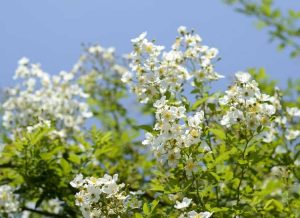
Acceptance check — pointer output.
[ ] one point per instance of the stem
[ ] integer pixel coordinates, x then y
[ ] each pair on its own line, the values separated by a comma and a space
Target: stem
7, 165
208, 140
243, 174
45, 213
198, 195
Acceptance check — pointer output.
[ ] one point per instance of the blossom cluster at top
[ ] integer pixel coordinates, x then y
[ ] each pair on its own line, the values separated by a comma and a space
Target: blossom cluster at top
99, 63
40, 96
159, 78
247, 105
103, 197
156, 72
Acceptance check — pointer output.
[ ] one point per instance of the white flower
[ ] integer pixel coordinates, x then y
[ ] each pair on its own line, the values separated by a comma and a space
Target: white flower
191, 167
126, 77
141, 37
196, 120
293, 111
160, 103
23, 61
184, 204
280, 149
243, 77
194, 214
94, 193
297, 162
172, 157
182, 30
292, 134
77, 181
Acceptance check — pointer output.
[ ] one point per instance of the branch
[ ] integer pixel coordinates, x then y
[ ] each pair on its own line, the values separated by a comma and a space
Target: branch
45, 213
7, 165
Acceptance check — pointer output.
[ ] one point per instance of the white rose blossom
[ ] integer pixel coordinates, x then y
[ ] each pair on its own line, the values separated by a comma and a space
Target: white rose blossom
184, 204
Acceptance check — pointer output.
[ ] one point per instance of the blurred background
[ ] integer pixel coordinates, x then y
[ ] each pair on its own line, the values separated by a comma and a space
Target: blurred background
51, 32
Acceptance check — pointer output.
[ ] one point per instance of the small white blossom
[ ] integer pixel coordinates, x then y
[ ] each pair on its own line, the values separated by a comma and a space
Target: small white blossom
292, 134
184, 204
293, 111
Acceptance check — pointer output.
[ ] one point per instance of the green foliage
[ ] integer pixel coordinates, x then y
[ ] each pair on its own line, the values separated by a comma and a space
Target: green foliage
283, 26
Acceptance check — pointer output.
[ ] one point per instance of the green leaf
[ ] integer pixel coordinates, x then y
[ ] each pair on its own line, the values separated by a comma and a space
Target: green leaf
74, 158
154, 205
219, 209
242, 162
146, 209
216, 176
148, 128
198, 103
218, 133
260, 24
156, 187
138, 215
65, 166
46, 156
273, 204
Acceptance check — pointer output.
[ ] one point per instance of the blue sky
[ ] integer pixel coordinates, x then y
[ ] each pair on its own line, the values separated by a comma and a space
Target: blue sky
51, 32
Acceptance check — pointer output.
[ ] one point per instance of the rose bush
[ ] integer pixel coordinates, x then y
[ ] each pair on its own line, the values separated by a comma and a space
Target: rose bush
144, 135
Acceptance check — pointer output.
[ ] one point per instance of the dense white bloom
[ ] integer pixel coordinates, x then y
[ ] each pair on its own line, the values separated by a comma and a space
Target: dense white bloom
99, 197
247, 105
8, 200
184, 204
159, 72
44, 97
158, 76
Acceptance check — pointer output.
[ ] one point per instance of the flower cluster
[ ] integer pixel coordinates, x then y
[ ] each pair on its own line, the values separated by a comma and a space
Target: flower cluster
103, 197
247, 105
98, 63
8, 200
45, 97
159, 79
175, 130
159, 72
293, 115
